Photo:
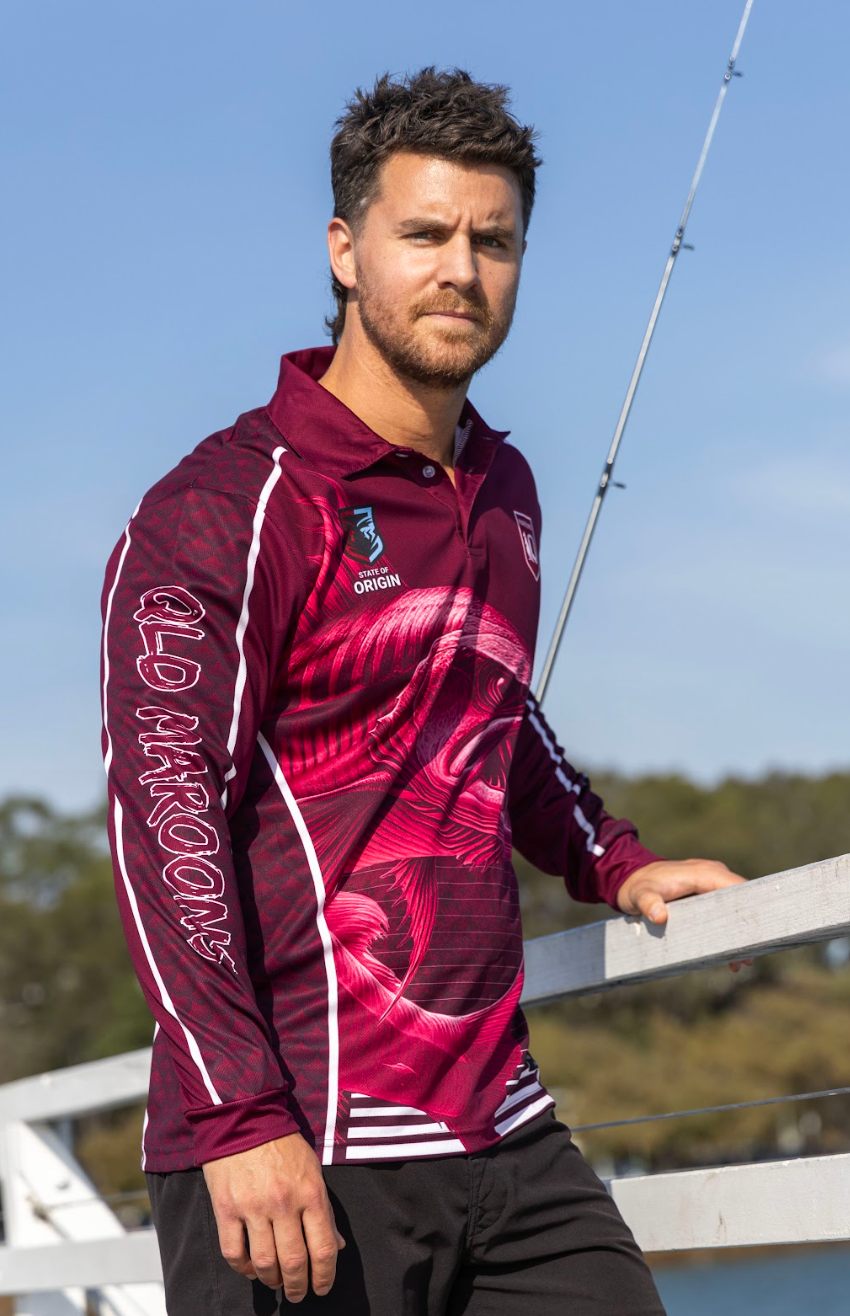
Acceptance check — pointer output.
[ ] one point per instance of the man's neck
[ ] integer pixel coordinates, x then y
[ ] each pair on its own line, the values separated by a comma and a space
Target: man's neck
404, 413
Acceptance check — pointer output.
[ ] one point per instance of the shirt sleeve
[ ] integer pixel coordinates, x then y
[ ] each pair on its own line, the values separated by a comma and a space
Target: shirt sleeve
199, 600
560, 825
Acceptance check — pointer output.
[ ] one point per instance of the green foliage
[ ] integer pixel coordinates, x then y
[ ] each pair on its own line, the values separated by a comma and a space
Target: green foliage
108, 1147
67, 989
756, 827
770, 1039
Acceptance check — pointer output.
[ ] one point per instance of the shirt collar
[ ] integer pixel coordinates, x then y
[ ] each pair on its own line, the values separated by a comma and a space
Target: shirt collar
325, 433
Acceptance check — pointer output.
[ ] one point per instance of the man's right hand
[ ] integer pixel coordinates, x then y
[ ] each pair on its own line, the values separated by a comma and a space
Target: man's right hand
277, 1194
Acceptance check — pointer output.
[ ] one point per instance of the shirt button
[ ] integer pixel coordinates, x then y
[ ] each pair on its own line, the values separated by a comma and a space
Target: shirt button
429, 472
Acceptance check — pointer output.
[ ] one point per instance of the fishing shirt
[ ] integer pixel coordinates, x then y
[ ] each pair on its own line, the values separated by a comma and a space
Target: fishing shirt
321, 747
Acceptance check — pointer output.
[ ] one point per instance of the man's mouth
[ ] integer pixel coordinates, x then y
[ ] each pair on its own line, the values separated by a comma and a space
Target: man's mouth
455, 315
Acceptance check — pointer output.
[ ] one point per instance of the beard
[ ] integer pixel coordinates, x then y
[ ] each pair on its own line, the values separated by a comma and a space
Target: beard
443, 360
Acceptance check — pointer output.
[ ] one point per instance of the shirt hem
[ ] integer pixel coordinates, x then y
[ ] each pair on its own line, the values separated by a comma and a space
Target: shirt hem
160, 1162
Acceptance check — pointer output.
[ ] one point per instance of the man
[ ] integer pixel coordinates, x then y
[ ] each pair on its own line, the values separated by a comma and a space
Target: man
321, 745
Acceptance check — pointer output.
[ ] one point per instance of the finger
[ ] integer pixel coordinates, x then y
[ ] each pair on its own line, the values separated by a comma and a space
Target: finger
652, 906
292, 1257
263, 1249
322, 1241
713, 876
231, 1240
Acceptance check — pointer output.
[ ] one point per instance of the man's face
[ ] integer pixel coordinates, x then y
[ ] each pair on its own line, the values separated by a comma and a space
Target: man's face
437, 260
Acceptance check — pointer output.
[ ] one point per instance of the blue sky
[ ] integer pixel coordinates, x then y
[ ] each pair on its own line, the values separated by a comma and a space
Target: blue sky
167, 193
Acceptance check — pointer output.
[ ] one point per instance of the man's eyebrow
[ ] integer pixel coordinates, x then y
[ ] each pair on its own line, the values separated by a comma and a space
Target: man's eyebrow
421, 225
504, 231
416, 225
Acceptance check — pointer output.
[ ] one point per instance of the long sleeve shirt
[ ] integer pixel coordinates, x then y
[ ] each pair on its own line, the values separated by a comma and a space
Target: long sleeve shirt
320, 747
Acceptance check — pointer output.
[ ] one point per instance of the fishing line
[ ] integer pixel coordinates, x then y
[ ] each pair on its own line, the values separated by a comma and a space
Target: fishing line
710, 1110
606, 480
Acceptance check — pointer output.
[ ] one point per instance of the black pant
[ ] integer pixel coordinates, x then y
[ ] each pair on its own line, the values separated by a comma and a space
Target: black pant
523, 1229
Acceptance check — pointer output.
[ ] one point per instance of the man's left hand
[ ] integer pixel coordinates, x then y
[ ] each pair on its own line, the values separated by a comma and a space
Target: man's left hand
648, 889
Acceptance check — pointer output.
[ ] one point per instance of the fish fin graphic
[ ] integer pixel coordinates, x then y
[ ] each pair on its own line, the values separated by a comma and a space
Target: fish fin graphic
417, 882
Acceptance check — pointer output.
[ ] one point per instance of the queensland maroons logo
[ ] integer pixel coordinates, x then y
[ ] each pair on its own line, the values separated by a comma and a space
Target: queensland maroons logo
525, 526
363, 543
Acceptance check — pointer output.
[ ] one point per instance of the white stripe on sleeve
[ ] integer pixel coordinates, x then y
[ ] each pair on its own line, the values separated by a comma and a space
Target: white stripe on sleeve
253, 554
571, 787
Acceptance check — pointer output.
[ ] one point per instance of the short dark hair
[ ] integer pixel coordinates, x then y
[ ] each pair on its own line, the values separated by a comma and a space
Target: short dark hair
443, 113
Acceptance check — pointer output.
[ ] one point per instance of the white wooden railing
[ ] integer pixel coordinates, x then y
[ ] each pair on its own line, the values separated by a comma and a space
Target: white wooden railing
65, 1248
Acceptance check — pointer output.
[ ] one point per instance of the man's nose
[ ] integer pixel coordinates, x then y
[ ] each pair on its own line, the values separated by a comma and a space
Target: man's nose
458, 267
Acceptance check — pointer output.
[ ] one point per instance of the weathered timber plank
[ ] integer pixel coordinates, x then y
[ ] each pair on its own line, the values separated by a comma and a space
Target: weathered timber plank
131, 1259
788, 909
79, 1089
799, 1201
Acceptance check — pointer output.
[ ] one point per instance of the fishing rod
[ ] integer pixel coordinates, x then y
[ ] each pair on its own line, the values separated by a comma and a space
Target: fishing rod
606, 481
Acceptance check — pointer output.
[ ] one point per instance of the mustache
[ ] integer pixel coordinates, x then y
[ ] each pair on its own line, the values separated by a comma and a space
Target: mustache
472, 302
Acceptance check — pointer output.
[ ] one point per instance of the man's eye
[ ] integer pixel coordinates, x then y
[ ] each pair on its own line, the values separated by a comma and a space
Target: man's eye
485, 241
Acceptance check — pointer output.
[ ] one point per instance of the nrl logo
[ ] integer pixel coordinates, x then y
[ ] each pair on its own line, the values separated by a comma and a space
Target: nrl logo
363, 542
528, 539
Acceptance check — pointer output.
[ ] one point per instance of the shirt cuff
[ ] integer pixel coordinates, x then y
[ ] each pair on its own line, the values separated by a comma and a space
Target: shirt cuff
623, 856
236, 1126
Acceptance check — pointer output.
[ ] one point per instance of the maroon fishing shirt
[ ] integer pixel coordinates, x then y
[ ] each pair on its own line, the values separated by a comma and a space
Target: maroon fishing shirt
321, 746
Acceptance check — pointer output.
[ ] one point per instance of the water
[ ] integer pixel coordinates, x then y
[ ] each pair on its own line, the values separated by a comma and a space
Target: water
793, 1284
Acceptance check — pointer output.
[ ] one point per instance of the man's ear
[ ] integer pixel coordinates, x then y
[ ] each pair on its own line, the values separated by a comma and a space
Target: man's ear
524, 245
341, 253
